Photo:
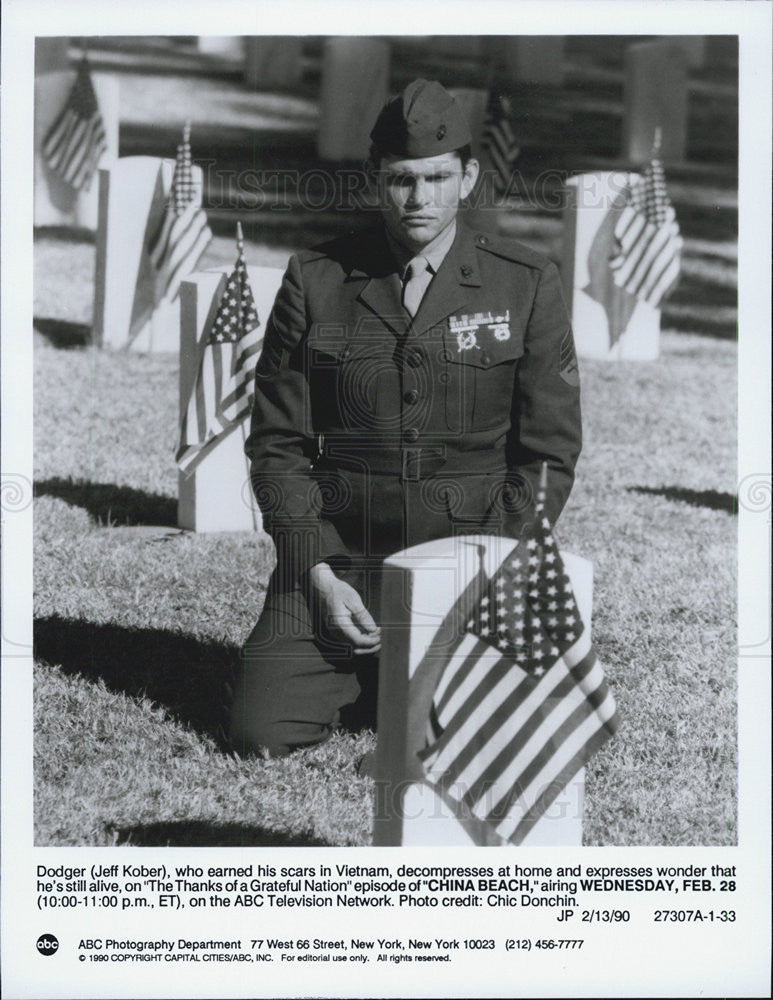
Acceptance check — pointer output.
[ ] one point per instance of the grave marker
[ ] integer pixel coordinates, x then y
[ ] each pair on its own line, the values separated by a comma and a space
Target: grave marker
216, 495
655, 95
608, 322
58, 203
132, 200
355, 86
426, 591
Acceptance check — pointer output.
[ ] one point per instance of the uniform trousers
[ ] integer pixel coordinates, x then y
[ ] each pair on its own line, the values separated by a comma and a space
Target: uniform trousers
296, 682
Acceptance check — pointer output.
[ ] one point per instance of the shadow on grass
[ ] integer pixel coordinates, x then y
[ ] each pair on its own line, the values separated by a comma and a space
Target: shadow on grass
196, 833
63, 333
711, 499
183, 675
110, 503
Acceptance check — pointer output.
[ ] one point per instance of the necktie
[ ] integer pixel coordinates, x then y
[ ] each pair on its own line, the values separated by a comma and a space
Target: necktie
417, 277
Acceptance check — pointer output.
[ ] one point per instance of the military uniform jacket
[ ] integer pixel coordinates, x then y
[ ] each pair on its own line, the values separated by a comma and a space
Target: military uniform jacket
372, 432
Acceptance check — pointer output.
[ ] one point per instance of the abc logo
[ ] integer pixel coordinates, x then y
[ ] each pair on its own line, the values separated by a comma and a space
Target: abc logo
47, 944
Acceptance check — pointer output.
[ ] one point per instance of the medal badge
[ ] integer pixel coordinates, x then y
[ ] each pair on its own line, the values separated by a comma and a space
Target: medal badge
467, 339
500, 325
466, 328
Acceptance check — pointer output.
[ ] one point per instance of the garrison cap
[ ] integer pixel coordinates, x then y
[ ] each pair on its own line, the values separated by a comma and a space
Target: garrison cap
424, 120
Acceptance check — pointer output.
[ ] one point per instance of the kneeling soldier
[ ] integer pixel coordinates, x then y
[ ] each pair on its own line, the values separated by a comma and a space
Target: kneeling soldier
413, 379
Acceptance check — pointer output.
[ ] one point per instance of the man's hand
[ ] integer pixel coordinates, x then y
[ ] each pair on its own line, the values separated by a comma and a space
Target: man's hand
342, 610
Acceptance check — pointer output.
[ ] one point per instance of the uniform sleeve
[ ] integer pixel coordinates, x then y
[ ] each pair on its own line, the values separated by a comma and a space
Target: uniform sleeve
282, 443
546, 422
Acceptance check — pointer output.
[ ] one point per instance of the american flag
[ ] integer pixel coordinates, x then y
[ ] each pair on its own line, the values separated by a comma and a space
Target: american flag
522, 703
649, 245
222, 393
184, 233
499, 141
76, 140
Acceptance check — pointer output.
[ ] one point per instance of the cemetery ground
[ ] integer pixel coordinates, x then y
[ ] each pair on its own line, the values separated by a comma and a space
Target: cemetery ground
138, 624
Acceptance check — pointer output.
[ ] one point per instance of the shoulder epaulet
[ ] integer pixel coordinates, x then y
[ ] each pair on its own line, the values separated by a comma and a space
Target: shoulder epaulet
502, 246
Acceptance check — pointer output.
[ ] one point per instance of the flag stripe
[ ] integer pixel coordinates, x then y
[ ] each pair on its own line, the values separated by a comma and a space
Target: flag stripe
238, 402
518, 834
464, 659
647, 262
489, 707
528, 720
480, 676
186, 254
548, 728
643, 252
90, 155
527, 713
74, 149
572, 755
76, 139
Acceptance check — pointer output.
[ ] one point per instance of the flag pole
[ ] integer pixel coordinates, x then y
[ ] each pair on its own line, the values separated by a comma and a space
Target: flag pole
240, 254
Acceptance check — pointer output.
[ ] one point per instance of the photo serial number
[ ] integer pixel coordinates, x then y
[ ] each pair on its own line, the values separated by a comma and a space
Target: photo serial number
694, 916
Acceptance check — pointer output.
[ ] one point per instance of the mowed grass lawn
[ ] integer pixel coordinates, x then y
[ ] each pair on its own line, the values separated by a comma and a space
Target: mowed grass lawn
138, 625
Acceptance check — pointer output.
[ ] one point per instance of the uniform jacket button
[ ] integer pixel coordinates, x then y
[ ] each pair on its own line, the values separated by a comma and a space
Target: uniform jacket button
414, 359
411, 395
483, 240
411, 435
485, 358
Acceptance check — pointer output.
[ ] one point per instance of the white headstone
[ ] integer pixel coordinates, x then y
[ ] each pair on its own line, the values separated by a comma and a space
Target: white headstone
132, 203
216, 494
655, 96
420, 586
272, 61
355, 85
608, 322
58, 203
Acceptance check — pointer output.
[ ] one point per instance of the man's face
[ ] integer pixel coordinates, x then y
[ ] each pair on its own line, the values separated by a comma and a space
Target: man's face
420, 198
